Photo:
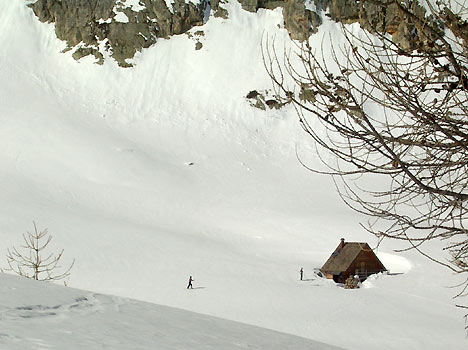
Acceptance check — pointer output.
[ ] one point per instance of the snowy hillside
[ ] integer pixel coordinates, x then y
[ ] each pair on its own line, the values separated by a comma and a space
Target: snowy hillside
40, 315
150, 174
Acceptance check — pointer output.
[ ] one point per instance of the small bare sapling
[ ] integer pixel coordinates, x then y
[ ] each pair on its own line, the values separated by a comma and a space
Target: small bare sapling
32, 263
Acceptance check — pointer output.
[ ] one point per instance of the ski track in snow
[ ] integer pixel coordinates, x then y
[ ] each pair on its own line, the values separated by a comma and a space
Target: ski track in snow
81, 305
96, 321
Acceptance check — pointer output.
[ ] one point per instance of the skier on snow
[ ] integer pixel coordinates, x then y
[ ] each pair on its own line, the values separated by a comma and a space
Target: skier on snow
190, 283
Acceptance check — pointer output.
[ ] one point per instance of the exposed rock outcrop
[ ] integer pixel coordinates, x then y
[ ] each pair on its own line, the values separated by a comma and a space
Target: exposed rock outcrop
345, 11
264, 99
407, 32
302, 17
299, 20
123, 27
91, 26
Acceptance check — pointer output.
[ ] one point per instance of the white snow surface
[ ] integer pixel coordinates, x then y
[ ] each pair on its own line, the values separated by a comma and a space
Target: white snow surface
120, 16
38, 315
135, 5
102, 20
151, 174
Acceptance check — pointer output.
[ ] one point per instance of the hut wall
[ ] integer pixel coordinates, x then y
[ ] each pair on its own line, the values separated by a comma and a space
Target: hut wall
364, 265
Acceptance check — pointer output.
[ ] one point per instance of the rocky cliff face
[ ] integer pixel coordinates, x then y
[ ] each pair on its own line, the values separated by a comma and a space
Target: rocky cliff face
302, 17
407, 33
123, 27
119, 27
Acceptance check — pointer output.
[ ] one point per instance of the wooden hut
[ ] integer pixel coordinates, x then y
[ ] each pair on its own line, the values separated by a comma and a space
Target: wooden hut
349, 259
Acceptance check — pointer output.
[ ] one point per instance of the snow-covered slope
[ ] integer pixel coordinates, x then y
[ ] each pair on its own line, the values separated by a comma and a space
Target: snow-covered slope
151, 174
38, 315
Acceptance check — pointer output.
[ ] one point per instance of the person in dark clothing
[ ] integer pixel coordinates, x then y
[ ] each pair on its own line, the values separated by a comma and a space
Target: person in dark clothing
190, 280
302, 273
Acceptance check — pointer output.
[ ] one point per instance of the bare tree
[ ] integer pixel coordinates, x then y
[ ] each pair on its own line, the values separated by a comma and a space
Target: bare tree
394, 112
32, 264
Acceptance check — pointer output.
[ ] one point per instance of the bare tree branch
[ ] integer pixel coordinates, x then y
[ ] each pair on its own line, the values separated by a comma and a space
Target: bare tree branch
380, 111
32, 264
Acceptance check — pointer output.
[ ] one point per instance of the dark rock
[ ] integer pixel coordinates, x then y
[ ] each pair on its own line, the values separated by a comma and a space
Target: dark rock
273, 104
249, 5
214, 4
344, 11
257, 99
221, 12
93, 21
307, 95
252, 94
299, 21
296, 19
267, 98
90, 26
86, 51
406, 31
270, 4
